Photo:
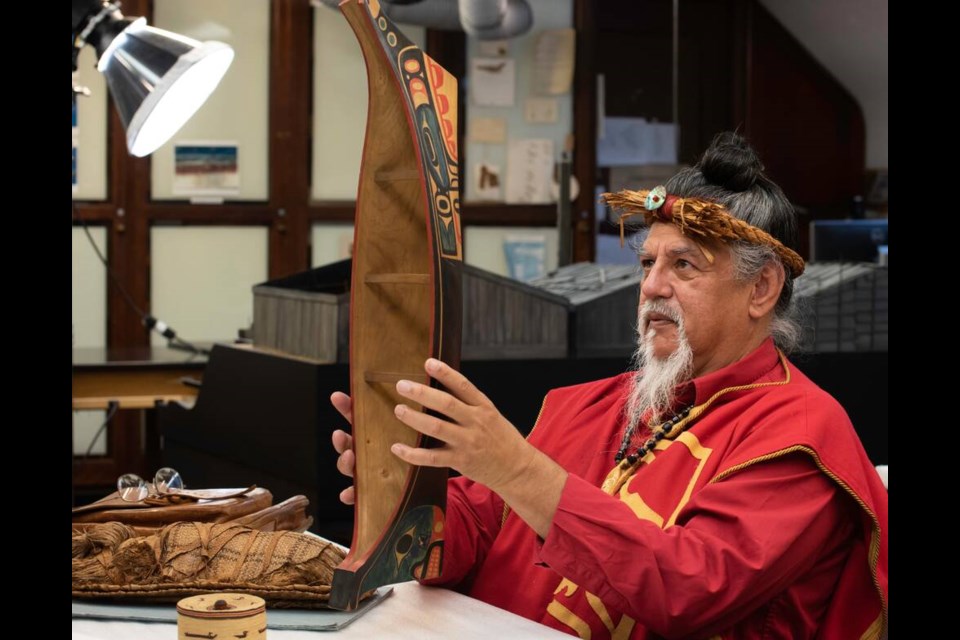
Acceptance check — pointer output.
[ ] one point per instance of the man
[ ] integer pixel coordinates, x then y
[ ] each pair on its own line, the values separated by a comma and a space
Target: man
715, 492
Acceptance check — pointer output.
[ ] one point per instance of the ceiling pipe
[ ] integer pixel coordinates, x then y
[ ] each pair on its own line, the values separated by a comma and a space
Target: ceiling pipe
482, 19
495, 19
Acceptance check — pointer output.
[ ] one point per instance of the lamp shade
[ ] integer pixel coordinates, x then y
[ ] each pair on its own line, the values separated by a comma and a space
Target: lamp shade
158, 79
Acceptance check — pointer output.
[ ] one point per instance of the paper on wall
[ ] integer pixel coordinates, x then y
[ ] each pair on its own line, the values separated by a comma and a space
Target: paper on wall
529, 171
493, 130
492, 81
553, 62
662, 145
634, 141
494, 48
541, 110
526, 256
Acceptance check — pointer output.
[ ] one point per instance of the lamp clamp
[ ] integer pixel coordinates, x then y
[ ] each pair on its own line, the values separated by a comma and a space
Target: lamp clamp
106, 8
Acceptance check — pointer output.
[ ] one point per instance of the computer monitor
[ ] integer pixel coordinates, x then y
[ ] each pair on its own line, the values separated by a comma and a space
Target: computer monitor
847, 240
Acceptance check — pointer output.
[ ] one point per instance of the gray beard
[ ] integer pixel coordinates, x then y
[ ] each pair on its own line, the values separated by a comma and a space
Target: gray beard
653, 388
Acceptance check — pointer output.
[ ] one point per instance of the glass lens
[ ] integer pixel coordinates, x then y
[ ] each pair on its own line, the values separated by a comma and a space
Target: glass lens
167, 480
132, 488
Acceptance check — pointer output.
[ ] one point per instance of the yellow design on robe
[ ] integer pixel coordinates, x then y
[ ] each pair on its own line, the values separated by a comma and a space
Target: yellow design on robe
643, 511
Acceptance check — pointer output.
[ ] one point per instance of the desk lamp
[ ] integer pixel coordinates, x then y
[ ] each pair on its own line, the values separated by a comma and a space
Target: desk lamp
158, 79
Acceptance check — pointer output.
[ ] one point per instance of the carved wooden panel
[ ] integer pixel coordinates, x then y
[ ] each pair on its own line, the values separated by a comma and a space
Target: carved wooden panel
405, 301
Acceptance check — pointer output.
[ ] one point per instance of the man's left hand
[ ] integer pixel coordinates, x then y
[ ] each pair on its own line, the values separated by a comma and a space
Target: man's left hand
477, 440
481, 444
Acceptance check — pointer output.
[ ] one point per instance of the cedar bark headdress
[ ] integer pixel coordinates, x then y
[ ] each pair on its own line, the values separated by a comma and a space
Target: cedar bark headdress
701, 220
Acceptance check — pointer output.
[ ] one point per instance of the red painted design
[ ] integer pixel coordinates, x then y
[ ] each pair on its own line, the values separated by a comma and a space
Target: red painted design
442, 104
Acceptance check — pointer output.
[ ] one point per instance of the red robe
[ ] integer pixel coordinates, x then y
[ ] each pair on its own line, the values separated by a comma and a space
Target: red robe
764, 519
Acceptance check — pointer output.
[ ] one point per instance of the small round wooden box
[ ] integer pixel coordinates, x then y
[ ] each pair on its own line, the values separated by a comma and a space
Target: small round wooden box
222, 615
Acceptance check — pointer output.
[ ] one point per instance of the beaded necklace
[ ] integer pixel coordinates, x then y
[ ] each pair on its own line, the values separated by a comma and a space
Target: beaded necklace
627, 464
624, 468
652, 441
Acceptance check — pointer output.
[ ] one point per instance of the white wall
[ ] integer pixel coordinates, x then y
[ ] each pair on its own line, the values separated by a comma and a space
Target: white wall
89, 293
340, 99
483, 246
89, 307
237, 111
202, 278
330, 242
91, 129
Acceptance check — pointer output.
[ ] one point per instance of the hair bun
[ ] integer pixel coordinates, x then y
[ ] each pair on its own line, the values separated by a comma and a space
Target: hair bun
730, 163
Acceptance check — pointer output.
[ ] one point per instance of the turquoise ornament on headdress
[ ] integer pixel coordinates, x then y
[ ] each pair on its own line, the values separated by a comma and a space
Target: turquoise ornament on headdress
656, 198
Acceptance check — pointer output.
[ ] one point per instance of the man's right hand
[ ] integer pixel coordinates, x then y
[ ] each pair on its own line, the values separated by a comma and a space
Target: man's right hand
343, 443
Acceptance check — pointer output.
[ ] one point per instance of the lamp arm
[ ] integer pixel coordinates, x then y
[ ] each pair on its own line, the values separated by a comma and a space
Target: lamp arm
105, 9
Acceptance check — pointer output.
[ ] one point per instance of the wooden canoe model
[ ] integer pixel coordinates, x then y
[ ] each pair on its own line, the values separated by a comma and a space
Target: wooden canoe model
406, 301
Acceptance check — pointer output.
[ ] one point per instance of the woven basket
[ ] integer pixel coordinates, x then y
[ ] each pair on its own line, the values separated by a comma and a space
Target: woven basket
287, 569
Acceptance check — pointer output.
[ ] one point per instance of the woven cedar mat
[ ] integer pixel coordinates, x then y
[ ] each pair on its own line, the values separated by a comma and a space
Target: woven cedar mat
285, 568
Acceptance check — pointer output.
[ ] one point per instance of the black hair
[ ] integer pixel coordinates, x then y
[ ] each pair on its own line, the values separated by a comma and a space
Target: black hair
730, 173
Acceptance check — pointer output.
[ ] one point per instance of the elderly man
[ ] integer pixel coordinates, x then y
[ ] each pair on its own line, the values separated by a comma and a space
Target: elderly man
714, 492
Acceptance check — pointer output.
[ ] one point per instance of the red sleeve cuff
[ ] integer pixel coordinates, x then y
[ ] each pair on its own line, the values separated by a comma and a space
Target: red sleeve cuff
584, 512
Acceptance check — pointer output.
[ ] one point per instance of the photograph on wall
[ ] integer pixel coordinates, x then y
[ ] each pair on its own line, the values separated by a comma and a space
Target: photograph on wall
206, 169
487, 187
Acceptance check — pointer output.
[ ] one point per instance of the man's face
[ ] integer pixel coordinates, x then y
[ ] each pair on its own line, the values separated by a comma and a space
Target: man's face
713, 305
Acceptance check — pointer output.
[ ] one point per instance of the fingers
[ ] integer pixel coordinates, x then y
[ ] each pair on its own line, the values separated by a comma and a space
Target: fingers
436, 399
343, 444
346, 463
455, 382
342, 441
343, 404
422, 457
347, 460
455, 402
426, 424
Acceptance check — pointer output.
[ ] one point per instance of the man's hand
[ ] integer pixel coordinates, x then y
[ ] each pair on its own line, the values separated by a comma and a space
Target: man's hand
477, 441
343, 443
481, 444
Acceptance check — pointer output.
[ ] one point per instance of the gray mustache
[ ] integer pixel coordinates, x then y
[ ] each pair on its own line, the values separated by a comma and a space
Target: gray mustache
660, 307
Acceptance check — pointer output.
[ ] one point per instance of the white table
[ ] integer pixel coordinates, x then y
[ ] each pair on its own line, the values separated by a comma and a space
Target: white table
412, 611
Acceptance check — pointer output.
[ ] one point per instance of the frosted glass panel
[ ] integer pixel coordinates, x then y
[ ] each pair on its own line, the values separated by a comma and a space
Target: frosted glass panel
89, 293
484, 246
330, 243
89, 307
91, 130
340, 104
201, 279
237, 111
